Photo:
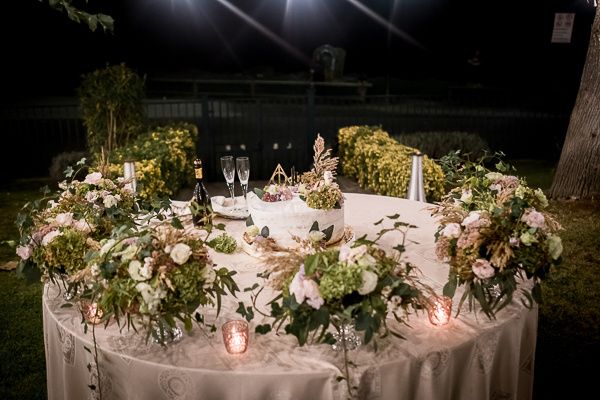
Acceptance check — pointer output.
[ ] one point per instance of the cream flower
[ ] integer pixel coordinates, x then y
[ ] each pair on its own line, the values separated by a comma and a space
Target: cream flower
483, 269
369, 282
64, 219
24, 252
151, 296
82, 225
50, 236
555, 246
328, 178
316, 236
471, 218
452, 230
466, 196
93, 178
209, 275
180, 253
534, 219
528, 239
138, 272
110, 201
306, 289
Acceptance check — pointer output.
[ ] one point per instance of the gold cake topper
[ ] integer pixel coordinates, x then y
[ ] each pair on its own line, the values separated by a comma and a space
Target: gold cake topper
279, 173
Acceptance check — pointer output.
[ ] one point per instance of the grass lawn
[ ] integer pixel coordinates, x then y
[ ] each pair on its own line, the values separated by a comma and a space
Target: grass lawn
568, 334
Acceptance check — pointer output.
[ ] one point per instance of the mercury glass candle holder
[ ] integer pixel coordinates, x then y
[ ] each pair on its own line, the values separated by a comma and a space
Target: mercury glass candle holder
439, 310
90, 311
235, 336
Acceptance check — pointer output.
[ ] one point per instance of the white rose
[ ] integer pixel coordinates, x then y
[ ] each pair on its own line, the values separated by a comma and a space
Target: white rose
494, 176
50, 236
209, 275
483, 269
356, 253
252, 231
555, 246
151, 297
93, 178
527, 239
64, 219
24, 252
366, 260
539, 194
316, 236
110, 201
471, 218
135, 272
91, 196
106, 247
369, 282
466, 196
180, 253
452, 230
328, 177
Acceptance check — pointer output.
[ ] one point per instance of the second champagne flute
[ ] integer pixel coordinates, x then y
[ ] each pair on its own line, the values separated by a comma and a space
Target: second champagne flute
228, 168
243, 171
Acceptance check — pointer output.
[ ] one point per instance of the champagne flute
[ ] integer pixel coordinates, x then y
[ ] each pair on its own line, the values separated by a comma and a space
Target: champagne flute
229, 173
243, 171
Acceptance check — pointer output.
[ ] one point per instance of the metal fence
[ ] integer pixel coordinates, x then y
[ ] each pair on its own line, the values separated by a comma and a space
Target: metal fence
281, 129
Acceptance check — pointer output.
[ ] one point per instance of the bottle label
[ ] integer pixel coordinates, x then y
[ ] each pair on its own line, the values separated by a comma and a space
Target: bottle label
199, 173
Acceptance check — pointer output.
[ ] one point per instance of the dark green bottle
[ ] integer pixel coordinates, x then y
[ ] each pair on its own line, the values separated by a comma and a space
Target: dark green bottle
201, 196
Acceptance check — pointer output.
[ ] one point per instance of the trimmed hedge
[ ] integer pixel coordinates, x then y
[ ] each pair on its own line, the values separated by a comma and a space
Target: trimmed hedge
163, 160
383, 165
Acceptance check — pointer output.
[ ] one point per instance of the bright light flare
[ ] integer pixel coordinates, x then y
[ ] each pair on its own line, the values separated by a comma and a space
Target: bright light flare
265, 31
386, 24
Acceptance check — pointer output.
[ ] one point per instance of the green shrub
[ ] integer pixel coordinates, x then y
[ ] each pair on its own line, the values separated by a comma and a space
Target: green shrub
438, 144
383, 165
111, 102
163, 159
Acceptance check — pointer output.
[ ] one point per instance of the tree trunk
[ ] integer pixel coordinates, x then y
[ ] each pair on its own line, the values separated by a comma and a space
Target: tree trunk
578, 171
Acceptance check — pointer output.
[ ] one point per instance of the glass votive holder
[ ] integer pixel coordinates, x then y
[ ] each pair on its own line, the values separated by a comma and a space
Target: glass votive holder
439, 309
90, 311
235, 336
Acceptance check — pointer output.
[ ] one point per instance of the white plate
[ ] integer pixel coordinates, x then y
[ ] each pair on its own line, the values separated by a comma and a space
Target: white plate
224, 207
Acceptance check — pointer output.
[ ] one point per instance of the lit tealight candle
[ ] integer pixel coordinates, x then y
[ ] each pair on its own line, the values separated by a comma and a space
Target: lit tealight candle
439, 310
235, 336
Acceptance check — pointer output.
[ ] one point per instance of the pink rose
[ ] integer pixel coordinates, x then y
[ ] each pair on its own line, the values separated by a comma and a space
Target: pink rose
24, 252
49, 237
534, 219
452, 230
483, 269
93, 178
306, 289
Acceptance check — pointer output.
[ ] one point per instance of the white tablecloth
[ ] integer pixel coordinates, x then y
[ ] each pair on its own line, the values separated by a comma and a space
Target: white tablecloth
471, 358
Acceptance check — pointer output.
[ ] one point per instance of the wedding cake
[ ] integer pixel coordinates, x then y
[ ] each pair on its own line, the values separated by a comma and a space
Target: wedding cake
308, 208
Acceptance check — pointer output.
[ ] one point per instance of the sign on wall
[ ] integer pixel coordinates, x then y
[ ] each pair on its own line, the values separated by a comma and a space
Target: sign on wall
563, 27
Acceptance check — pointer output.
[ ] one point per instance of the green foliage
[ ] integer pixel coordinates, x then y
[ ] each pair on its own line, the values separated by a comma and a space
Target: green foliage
383, 165
163, 160
223, 243
438, 144
111, 102
80, 16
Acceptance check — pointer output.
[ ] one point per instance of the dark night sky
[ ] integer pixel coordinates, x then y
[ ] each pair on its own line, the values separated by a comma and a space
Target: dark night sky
45, 53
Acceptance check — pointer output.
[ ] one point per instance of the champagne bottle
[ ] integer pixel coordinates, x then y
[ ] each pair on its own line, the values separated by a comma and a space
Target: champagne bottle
201, 196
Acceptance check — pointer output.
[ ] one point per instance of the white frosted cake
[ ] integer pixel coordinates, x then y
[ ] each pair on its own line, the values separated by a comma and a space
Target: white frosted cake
281, 219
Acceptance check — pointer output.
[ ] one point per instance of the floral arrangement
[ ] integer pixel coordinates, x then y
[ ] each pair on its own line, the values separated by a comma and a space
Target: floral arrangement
154, 276
325, 293
57, 231
316, 187
380, 163
359, 284
494, 231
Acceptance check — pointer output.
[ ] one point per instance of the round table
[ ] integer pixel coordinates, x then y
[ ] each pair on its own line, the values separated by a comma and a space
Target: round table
470, 358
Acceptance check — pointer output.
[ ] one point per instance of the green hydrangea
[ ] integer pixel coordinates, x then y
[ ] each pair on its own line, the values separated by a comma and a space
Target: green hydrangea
339, 280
